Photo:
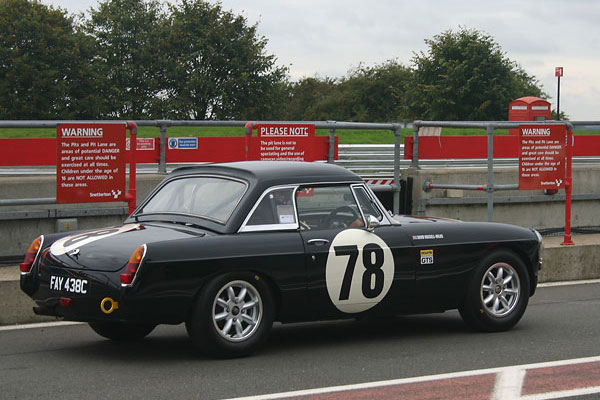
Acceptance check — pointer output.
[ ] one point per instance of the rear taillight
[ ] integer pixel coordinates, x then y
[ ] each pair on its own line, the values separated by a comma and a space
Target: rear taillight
30, 256
133, 266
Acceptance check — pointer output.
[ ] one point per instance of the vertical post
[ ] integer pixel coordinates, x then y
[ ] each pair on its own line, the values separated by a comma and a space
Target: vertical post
415, 155
490, 181
396, 185
331, 154
568, 190
131, 194
558, 101
248, 127
162, 158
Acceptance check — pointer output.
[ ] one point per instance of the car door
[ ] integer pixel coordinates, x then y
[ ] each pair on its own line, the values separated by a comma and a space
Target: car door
351, 269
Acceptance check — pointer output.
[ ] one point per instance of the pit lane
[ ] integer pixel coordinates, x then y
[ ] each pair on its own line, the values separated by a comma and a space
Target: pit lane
70, 361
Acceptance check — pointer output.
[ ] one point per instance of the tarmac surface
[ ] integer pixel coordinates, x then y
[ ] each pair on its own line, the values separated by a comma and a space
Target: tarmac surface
561, 327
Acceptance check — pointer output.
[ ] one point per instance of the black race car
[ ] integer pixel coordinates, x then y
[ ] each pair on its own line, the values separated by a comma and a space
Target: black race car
230, 248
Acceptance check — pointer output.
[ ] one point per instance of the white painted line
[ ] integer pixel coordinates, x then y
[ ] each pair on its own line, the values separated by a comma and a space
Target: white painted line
562, 394
508, 384
38, 325
568, 283
419, 379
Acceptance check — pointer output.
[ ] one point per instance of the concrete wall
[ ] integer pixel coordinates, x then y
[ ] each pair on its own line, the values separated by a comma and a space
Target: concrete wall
19, 225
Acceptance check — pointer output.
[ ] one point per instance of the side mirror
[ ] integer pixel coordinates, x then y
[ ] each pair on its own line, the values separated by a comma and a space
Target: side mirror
372, 223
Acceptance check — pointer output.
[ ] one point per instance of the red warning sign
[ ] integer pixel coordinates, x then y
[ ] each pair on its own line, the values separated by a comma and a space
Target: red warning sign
90, 164
541, 157
286, 142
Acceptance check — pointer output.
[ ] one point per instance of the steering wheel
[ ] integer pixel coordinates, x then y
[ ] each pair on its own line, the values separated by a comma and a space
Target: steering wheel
327, 222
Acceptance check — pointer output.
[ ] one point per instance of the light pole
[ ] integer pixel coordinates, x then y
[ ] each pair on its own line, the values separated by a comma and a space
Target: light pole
558, 72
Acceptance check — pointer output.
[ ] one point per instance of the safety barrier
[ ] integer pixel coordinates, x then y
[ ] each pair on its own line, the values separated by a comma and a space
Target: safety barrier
331, 126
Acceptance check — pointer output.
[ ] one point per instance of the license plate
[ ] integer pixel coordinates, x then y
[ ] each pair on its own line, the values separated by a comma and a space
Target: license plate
69, 285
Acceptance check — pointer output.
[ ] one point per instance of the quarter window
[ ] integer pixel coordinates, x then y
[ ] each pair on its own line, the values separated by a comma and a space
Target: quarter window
275, 208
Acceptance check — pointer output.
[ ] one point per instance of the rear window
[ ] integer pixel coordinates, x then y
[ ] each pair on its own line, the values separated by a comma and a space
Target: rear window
207, 197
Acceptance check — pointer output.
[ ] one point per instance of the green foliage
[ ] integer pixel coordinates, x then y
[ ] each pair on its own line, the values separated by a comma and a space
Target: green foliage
561, 117
466, 76
374, 94
43, 61
218, 68
128, 35
136, 59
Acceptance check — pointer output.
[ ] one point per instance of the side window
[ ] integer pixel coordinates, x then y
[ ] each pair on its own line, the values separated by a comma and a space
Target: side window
327, 207
275, 208
367, 205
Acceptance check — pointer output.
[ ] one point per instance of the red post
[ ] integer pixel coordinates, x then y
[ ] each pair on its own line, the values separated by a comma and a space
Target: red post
131, 194
567, 241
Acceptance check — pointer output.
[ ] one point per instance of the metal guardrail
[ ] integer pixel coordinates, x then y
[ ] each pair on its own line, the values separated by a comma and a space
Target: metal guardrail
332, 126
377, 160
373, 161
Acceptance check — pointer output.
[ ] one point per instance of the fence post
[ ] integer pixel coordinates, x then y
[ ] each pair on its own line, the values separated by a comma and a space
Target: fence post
131, 194
162, 158
415, 155
396, 186
331, 154
490, 181
567, 240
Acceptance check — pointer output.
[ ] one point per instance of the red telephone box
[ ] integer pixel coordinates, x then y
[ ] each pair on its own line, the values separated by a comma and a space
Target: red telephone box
528, 109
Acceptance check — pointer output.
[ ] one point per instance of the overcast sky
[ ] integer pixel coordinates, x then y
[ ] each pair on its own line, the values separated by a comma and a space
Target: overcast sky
330, 37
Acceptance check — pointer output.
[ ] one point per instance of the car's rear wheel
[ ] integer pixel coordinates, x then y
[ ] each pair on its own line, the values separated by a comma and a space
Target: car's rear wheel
498, 293
232, 316
122, 330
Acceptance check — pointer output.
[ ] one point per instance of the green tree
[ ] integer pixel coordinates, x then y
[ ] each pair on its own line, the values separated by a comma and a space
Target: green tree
44, 64
375, 94
303, 103
465, 76
218, 67
130, 62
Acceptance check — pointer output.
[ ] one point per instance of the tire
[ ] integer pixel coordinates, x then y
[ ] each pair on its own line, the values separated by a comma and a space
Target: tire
122, 331
498, 293
232, 316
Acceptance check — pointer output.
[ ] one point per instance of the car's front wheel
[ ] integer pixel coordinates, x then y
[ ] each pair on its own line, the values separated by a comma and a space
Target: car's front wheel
122, 330
498, 293
232, 316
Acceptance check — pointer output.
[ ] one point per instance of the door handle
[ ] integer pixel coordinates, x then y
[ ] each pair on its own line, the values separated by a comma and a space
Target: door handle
318, 242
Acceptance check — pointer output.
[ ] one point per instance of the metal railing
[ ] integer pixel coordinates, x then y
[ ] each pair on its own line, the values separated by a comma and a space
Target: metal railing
490, 128
331, 126
365, 160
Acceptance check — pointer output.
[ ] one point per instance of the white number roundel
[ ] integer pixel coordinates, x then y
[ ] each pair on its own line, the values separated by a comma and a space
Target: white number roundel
359, 271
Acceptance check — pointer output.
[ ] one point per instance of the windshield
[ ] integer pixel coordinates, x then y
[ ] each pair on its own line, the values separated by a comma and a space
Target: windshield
207, 197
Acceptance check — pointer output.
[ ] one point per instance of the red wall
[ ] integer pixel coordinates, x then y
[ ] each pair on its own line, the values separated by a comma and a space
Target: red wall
436, 147
21, 152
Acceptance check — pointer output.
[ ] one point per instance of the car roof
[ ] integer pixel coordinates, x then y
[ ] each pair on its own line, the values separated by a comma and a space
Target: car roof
275, 172
260, 176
